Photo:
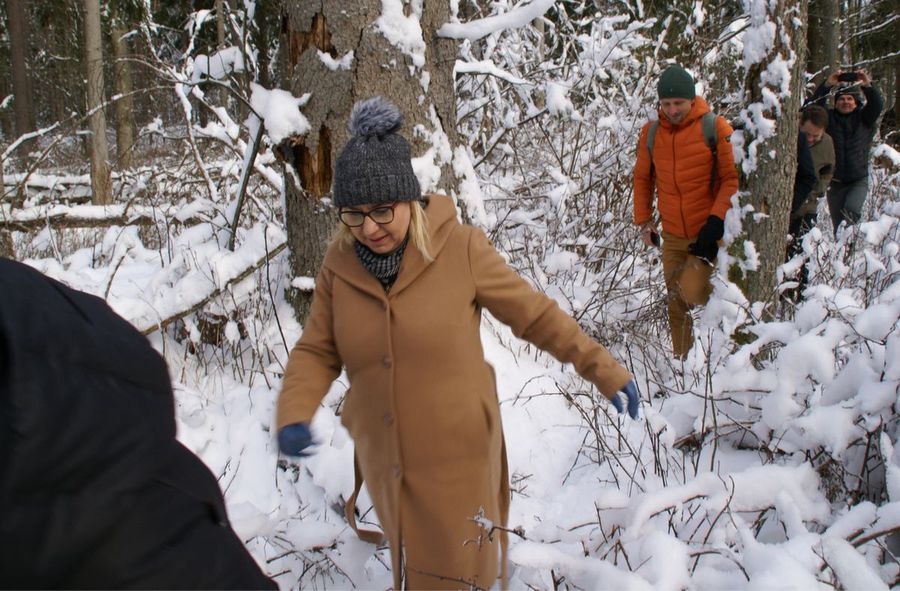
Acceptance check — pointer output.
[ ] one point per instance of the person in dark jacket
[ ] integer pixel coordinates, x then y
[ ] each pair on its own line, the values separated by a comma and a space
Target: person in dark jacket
95, 491
815, 156
805, 179
851, 125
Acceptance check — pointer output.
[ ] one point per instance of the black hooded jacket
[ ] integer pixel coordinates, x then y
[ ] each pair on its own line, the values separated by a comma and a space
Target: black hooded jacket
852, 133
805, 179
95, 491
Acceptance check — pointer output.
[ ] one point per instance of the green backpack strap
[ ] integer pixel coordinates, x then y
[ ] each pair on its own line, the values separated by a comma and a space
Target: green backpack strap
711, 137
651, 137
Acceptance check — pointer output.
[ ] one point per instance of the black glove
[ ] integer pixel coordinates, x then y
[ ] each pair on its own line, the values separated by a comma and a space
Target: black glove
706, 246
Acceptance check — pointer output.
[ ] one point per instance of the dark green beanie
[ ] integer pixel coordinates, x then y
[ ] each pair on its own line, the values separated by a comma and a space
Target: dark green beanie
675, 82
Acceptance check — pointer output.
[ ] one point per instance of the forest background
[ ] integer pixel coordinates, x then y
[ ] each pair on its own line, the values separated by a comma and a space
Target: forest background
175, 158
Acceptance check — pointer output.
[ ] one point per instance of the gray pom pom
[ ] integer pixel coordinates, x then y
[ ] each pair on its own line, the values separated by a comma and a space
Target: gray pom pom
374, 116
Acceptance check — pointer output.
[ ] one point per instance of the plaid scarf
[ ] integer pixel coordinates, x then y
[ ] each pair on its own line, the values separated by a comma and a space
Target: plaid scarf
384, 267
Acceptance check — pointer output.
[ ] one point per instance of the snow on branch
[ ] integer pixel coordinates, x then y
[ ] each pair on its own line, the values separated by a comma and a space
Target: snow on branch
218, 65
201, 299
487, 68
402, 31
81, 216
515, 18
280, 112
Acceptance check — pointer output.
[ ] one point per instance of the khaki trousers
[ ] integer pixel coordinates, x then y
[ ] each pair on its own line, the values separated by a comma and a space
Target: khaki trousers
687, 284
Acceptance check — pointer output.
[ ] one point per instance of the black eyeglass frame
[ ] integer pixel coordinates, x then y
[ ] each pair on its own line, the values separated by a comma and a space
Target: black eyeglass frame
368, 214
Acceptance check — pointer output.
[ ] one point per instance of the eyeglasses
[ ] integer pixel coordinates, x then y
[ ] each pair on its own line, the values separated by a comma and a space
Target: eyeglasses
380, 215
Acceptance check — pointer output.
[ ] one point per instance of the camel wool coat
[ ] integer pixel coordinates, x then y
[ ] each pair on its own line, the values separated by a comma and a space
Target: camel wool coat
422, 406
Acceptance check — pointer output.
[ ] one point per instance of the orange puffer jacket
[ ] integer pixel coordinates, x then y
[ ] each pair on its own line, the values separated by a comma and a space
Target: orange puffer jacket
682, 164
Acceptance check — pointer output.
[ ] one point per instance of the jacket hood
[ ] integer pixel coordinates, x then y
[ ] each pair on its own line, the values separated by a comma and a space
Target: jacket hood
700, 107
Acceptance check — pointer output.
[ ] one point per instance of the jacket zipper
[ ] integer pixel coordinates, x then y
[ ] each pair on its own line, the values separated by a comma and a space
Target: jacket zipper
677, 188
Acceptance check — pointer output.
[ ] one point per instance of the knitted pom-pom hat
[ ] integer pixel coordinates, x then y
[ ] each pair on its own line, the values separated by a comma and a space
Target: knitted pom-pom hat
375, 165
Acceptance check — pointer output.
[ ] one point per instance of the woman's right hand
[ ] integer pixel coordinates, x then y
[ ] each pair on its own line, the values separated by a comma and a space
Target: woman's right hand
294, 440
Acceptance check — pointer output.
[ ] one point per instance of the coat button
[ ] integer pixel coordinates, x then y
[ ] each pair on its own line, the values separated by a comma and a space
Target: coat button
386, 362
396, 471
388, 419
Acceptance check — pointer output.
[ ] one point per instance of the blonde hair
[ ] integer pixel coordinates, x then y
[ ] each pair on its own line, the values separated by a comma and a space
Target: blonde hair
418, 231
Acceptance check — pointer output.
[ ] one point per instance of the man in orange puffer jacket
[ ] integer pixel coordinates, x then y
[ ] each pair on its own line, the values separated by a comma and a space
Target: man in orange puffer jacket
694, 184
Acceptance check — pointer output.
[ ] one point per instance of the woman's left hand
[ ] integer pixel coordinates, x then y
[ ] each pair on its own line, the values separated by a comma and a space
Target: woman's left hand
295, 440
634, 399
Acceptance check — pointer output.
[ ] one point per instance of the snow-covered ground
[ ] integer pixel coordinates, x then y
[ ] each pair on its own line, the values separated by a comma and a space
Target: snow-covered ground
768, 464
766, 461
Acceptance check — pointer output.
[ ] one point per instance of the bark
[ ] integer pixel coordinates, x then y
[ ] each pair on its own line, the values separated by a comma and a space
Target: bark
220, 23
101, 183
847, 26
770, 186
124, 105
23, 105
822, 38
378, 67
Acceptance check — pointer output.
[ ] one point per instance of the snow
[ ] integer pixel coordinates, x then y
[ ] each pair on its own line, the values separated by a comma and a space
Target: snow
558, 102
488, 68
517, 17
404, 32
888, 152
745, 470
344, 63
849, 566
280, 112
218, 65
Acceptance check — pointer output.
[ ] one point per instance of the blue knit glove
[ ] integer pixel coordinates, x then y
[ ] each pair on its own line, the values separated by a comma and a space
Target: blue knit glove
293, 440
634, 399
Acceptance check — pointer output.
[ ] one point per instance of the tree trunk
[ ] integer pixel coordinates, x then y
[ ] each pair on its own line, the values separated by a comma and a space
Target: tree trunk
124, 105
770, 186
264, 13
831, 33
847, 27
19, 50
101, 184
823, 36
378, 67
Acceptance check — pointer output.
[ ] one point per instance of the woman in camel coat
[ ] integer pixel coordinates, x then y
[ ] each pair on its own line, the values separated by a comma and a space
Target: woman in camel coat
398, 304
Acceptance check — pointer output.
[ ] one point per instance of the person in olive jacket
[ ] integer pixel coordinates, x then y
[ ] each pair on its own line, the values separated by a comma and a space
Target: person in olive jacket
852, 126
398, 303
95, 491
693, 178
819, 150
